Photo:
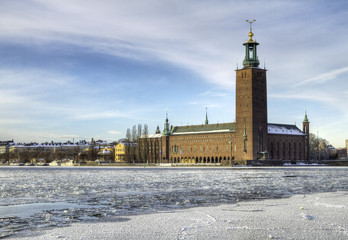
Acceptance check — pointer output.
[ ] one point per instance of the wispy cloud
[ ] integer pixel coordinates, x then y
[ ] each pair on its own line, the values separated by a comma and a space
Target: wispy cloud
113, 132
324, 77
336, 101
201, 38
215, 94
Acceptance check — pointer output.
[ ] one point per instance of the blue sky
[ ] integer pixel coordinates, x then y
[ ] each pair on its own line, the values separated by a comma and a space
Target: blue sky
81, 69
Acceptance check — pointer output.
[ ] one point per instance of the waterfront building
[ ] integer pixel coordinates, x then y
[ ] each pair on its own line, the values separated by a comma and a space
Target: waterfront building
251, 139
120, 151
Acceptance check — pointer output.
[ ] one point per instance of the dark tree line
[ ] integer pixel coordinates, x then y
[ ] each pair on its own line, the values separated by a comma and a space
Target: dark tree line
320, 149
77, 154
136, 144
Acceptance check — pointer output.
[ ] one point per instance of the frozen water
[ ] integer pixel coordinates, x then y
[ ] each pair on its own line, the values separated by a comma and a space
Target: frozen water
27, 210
42, 197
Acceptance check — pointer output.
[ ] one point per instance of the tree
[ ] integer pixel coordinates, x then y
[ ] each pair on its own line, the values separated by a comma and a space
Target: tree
318, 148
133, 144
127, 144
145, 144
138, 146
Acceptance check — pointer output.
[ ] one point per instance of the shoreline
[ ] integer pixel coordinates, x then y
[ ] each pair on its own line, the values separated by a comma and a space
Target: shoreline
183, 166
312, 216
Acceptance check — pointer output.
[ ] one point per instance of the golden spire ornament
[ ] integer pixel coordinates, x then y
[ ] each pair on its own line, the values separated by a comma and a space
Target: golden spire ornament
250, 33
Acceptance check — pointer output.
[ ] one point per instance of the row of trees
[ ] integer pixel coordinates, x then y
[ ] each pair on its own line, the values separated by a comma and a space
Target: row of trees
137, 144
48, 155
320, 149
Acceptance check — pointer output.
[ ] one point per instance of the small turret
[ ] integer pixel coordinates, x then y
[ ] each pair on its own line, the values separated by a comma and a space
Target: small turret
206, 115
166, 130
158, 131
305, 117
305, 130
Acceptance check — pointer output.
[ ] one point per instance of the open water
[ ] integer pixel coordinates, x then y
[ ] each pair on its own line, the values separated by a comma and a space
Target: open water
40, 197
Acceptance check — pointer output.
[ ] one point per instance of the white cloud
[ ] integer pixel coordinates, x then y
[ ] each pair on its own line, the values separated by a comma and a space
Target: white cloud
113, 132
324, 77
203, 37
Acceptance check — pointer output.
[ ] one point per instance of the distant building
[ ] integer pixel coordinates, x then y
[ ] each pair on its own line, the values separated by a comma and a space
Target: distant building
342, 153
106, 154
347, 146
249, 140
4, 146
120, 151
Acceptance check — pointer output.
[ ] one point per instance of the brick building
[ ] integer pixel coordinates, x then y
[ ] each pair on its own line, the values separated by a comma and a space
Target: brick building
249, 140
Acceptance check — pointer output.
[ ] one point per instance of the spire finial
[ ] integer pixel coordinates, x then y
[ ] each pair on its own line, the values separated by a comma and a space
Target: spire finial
251, 32
305, 117
206, 115
166, 113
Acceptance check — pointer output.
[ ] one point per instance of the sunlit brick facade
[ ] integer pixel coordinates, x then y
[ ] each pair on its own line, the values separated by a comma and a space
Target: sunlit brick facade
250, 139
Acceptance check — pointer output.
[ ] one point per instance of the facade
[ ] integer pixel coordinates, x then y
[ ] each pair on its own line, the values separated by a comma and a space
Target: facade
249, 140
120, 151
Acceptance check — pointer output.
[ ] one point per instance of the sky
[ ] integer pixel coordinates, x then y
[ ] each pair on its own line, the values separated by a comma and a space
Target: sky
82, 69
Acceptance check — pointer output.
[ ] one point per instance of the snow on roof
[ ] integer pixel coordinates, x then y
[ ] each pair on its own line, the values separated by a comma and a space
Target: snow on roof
201, 132
157, 135
286, 129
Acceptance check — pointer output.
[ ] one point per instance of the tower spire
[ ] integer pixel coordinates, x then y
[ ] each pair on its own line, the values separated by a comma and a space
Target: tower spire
206, 115
166, 130
251, 59
305, 117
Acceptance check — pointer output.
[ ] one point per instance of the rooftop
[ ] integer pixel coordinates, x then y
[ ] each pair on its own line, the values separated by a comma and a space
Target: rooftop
204, 128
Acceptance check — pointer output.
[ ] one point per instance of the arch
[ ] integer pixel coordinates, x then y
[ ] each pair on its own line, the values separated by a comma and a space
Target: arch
207, 160
220, 159
216, 160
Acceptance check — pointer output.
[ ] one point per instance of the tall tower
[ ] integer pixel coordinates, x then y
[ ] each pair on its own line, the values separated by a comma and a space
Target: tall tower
251, 105
305, 125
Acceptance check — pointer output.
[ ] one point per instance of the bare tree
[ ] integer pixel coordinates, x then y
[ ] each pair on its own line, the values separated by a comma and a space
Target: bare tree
145, 144
133, 142
319, 148
127, 143
138, 146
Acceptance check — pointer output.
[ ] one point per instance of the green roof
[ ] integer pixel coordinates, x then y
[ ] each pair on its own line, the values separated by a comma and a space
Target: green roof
204, 128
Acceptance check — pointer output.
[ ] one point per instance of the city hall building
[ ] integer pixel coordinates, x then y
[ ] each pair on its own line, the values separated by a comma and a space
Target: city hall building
249, 140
